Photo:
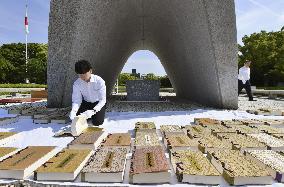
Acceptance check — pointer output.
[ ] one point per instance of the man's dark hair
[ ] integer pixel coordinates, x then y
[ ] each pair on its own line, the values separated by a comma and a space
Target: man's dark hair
82, 67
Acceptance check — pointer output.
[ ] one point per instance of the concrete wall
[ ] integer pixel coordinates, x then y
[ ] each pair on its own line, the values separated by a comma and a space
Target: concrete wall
195, 40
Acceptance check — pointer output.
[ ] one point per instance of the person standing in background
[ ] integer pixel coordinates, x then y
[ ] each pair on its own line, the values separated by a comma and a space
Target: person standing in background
244, 80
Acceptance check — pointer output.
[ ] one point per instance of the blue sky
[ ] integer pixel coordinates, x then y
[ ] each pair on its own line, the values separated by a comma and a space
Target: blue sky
252, 16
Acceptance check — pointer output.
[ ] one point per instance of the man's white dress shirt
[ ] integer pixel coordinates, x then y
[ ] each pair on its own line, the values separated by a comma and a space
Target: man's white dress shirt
92, 91
244, 74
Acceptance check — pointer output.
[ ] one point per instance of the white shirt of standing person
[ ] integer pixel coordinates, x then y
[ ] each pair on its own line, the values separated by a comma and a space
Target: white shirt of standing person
244, 74
92, 91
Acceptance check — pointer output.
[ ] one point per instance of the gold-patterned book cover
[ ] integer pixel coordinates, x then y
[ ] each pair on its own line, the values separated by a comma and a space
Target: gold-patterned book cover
67, 160
194, 167
238, 169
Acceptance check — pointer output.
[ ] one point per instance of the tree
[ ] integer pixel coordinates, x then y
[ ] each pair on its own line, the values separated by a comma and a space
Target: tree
37, 72
165, 82
266, 51
123, 77
15, 54
5, 67
151, 76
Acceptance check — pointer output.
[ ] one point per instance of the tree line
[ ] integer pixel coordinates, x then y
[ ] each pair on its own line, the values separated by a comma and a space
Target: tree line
13, 63
264, 49
164, 80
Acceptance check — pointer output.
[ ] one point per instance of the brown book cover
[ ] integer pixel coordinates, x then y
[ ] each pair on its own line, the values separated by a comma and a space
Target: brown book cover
118, 139
67, 160
4, 135
180, 140
144, 125
25, 157
206, 121
6, 151
87, 138
148, 160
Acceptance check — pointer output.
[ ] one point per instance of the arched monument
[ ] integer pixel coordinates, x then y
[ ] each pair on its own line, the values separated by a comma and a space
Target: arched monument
195, 40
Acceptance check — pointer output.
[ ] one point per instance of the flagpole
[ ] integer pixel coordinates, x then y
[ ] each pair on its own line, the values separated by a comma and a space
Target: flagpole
117, 86
27, 80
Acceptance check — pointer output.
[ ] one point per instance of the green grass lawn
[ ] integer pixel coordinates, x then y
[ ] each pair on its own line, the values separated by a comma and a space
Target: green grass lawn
23, 86
10, 93
272, 88
123, 89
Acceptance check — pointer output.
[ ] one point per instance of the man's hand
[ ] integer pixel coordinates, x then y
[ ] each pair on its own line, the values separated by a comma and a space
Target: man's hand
88, 113
72, 115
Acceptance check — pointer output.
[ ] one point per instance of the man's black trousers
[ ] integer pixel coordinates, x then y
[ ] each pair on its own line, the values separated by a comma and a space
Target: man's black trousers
99, 117
247, 87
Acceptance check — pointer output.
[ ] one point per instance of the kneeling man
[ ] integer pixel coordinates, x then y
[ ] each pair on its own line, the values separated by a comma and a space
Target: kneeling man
89, 94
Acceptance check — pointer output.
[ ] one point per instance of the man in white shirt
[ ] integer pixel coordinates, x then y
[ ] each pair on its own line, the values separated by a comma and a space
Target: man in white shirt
89, 94
244, 80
